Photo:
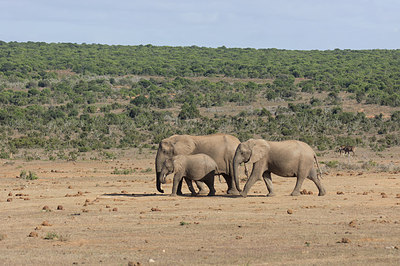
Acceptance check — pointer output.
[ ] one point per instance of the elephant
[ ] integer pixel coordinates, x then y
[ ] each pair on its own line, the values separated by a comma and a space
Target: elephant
198, 167
290, 158
220, 147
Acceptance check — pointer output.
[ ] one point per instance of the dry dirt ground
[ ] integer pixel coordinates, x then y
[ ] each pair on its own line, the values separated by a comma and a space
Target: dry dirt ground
120, 219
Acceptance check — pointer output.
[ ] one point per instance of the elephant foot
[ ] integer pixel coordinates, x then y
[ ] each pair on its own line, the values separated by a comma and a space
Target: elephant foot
271, 194
179, 193
244, 195
322, 193
211, 194
202, 193
233, 192
295, 193
172, 195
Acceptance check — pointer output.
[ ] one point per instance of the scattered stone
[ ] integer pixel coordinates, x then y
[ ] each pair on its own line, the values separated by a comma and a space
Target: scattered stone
353, 223
108, 206
398, 196
290, 211
33, 234
60, 207
10, 194
46, 208
46, 223
155, 210
239, 237
345, 240
115, 209
124, 192
340, 193
151, 261
9, 199
310, 193
303, 192
131, 263
38, 228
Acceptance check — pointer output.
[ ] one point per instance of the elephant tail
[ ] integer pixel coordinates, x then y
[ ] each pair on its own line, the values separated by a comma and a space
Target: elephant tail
319, 173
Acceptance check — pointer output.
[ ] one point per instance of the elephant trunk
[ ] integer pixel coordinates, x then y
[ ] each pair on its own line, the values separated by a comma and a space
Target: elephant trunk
158, 182
158, 173
236, 173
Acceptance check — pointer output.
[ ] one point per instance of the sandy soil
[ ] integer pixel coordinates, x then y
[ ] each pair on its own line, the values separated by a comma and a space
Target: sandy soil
117, 219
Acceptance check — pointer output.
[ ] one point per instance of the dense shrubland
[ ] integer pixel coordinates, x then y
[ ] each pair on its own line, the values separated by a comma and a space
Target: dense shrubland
74, 98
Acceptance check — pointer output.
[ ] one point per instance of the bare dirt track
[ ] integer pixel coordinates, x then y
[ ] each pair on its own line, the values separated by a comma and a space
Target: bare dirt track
115, 219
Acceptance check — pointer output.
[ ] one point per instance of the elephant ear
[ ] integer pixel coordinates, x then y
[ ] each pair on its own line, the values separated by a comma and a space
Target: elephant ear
183, 145
178, 164
259, 149
167, 147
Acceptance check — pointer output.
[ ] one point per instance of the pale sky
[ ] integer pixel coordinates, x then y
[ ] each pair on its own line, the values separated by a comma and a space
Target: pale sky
282, 24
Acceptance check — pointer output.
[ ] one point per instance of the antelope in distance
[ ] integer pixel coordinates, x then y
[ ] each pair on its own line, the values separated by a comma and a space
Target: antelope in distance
346, 149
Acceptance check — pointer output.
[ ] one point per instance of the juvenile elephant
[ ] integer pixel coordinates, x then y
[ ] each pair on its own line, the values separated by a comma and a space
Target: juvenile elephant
198, 167
289, 158
220, 147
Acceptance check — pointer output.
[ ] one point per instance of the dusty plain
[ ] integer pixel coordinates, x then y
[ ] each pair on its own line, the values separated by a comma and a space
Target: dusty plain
86, 212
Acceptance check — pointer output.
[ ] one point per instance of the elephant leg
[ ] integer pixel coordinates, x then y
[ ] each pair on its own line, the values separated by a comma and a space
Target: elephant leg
314, 177
179, 190
268, 182
177, 179
299, 183
231, 185
254, 177
202, 188
209, 180
190, 186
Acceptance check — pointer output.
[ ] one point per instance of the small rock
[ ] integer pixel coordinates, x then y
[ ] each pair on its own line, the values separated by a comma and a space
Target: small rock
353, 223
10, 194
310, 193
290, 211
151, 261
46, 223
46, 208
115, 209
340, 193
9, 199
38, 228
60, 207
345, 240
124, 192
239, 237
108, 206
33, 234
155, 210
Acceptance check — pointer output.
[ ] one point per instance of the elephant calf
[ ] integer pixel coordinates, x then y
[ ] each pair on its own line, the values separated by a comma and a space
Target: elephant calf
197, 167
289, 158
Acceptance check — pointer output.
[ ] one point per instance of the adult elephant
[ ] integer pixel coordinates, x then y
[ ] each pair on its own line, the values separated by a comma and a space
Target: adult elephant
220, 147
289, 158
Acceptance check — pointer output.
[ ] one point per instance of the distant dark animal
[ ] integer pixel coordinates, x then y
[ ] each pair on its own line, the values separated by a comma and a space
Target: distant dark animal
347, 149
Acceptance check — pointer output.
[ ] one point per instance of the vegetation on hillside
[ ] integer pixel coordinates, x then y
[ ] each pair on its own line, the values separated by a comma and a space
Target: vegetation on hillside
80, 97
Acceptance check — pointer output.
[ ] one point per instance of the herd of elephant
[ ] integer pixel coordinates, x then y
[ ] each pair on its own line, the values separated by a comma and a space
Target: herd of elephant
200, 158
